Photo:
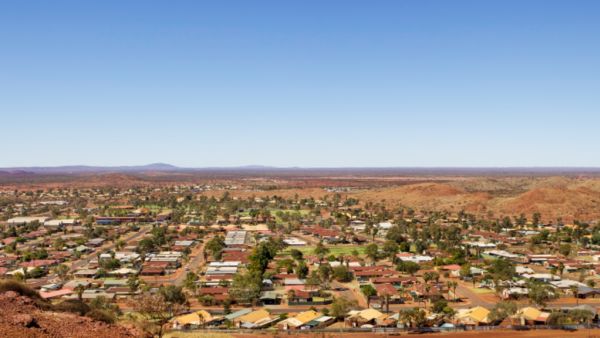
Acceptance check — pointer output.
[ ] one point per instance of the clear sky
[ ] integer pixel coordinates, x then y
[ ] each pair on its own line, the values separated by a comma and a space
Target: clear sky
300, 83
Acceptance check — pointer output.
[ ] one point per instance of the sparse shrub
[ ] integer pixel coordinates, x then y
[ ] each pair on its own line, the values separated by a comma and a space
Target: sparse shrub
18, 287
101, 315
73, 306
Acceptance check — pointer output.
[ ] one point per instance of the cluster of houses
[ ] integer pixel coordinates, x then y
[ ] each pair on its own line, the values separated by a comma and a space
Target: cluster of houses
130, 214
100, 272
370, 318
94, 267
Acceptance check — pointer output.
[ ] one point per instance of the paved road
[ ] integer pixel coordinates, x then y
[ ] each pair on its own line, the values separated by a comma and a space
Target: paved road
352, 292
474, 298
177, 278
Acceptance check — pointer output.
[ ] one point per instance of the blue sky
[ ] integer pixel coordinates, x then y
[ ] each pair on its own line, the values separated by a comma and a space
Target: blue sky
300, 83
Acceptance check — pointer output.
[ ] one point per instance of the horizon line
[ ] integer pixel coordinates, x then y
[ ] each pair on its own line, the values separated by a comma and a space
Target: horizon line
259, 166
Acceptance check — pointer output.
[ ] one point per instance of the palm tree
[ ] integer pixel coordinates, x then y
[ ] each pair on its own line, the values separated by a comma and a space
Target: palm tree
575, 292
429, 276
291, 295
119, 244
452, 285
427, 289
79, 290
561, 268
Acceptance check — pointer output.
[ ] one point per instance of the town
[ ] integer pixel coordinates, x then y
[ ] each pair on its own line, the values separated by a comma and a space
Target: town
199, 258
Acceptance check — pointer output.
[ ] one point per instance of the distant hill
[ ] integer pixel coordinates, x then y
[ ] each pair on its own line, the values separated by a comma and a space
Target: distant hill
295, 171
567, 193
76, 169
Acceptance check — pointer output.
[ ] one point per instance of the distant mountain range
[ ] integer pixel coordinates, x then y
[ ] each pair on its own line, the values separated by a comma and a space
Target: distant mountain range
77, 169
166, 168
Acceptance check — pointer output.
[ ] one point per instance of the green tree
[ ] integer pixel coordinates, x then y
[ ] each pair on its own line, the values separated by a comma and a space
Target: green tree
369, 291
390, 249
414, 317
452, 285
173, 294
372, 252
325, 274
61, 271
502, 310
439, 306
565, 249
297, 254
190, 281
540, 294
301, 270
215, 246
156, 311
321, 251
133, 282
408, 267
342, 274
245, 288
502, 269
575, 291
341, 306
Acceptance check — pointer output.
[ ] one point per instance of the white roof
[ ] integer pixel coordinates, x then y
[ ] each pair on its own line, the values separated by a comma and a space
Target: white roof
224, 264
415, 258
20, 270
235, 237
27, 219
481, 244
293, 281
124, 271
126, 255
168, 254
566, 283
501, 253
53, 202
294, 241
334, 264
523, 269
385, 225
224, 270
517, 291
59, 222
323, 319
547, 276
184, 243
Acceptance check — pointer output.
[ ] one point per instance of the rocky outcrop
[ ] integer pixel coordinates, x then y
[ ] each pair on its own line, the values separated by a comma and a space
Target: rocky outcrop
22, 316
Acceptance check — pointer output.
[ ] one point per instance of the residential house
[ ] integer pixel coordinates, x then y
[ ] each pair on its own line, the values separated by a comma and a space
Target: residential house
255, 320
299, 321
474, 316
192, 320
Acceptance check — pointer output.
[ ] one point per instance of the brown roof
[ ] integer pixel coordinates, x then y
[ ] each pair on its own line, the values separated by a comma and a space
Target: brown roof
213, 291
385, 289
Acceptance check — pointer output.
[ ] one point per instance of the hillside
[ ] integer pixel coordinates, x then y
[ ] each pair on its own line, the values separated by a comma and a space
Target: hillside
23, 317
568, 198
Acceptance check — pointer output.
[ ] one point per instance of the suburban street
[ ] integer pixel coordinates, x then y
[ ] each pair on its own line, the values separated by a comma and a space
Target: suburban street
144, 229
